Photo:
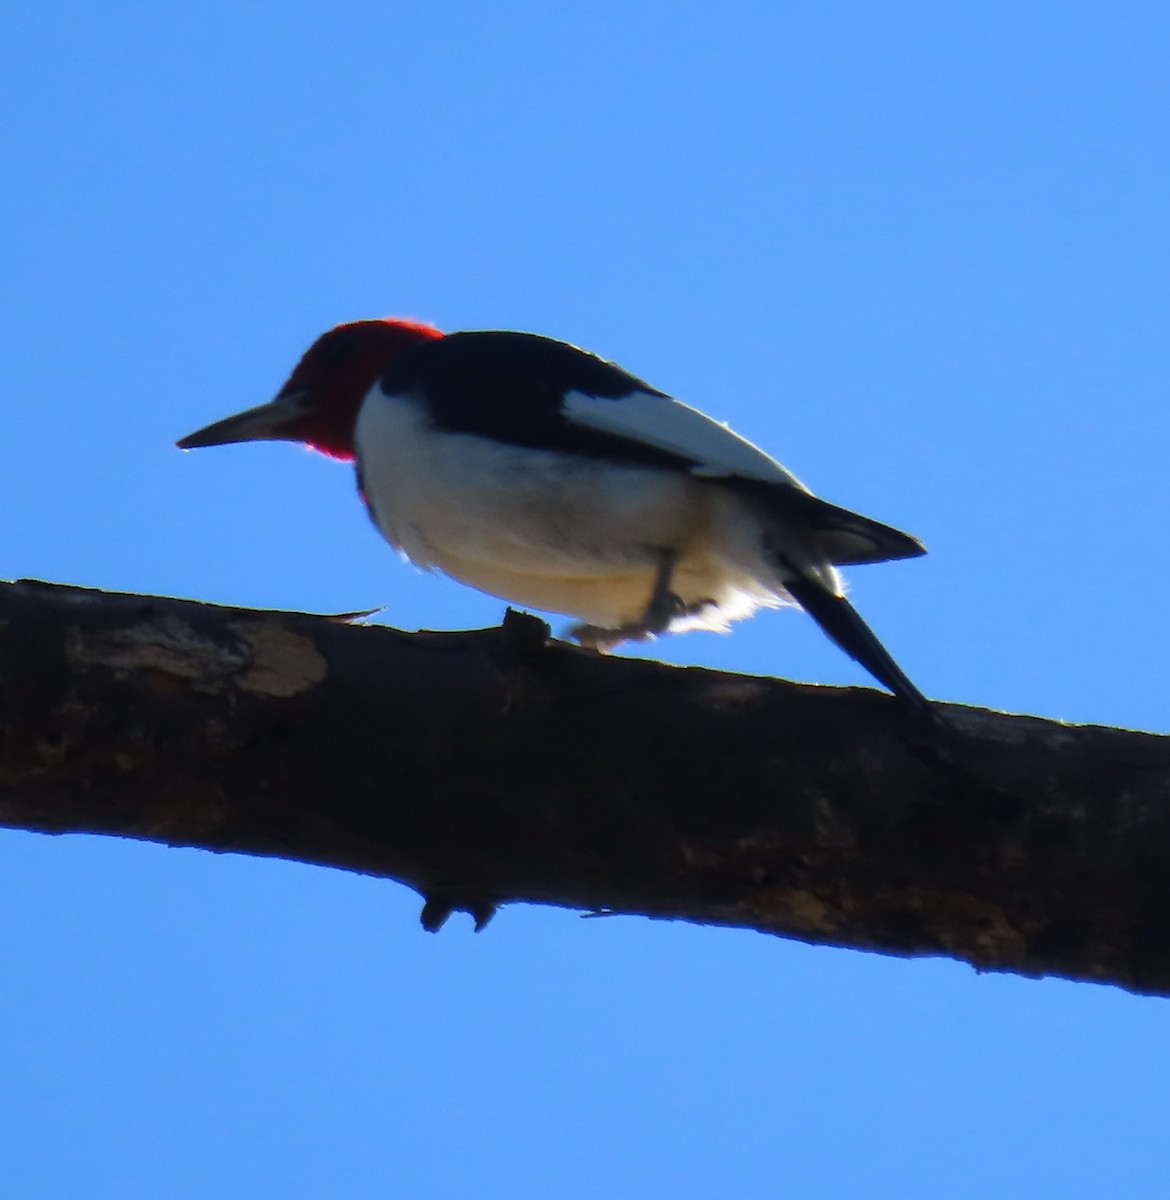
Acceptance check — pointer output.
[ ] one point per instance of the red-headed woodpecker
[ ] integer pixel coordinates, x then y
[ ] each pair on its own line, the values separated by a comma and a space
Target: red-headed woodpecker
544, 475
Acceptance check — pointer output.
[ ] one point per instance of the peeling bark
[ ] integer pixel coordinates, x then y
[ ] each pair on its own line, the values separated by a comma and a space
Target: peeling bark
493, 766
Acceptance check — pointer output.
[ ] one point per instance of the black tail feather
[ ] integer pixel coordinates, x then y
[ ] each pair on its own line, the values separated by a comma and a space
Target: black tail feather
846, 538
838, 618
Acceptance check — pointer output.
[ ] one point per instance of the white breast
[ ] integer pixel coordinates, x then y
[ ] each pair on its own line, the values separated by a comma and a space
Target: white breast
551, 531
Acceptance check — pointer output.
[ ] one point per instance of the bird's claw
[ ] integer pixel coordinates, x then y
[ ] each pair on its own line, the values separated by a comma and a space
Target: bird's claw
593, 637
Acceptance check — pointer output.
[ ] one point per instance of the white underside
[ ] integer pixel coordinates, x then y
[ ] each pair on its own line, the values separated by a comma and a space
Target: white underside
546, 530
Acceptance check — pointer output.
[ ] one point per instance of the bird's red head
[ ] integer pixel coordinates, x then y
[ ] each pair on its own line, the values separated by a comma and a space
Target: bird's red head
319, 404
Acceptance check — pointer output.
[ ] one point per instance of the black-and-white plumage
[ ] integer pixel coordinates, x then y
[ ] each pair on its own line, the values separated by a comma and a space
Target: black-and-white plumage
544, 475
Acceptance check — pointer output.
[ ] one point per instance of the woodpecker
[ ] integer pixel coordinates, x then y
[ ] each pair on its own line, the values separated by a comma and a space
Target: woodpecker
542, 474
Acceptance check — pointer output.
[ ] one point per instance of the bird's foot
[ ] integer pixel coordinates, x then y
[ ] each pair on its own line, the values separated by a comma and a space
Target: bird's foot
656, 621
593, 637
664, 607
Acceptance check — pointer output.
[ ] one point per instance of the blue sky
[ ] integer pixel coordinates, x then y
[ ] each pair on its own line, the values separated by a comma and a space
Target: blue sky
917, 251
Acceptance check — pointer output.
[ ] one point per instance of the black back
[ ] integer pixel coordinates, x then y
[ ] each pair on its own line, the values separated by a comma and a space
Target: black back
511, 387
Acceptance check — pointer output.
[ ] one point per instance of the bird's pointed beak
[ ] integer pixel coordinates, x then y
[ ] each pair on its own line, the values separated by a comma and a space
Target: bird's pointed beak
271, 422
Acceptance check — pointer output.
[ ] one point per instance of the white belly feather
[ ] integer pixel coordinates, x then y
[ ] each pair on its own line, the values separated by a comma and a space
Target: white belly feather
550, 531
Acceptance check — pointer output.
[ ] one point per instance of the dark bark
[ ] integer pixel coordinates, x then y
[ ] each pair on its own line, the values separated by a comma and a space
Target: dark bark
495, 766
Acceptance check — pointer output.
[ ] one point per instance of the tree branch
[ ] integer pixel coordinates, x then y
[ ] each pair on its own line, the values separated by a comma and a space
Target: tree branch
494, 766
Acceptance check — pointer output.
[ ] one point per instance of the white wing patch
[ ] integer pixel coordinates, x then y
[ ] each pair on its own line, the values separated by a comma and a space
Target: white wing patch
677, 428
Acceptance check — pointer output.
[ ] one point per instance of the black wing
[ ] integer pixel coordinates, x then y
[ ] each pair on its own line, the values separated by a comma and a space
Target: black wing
511, 387
528, 390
